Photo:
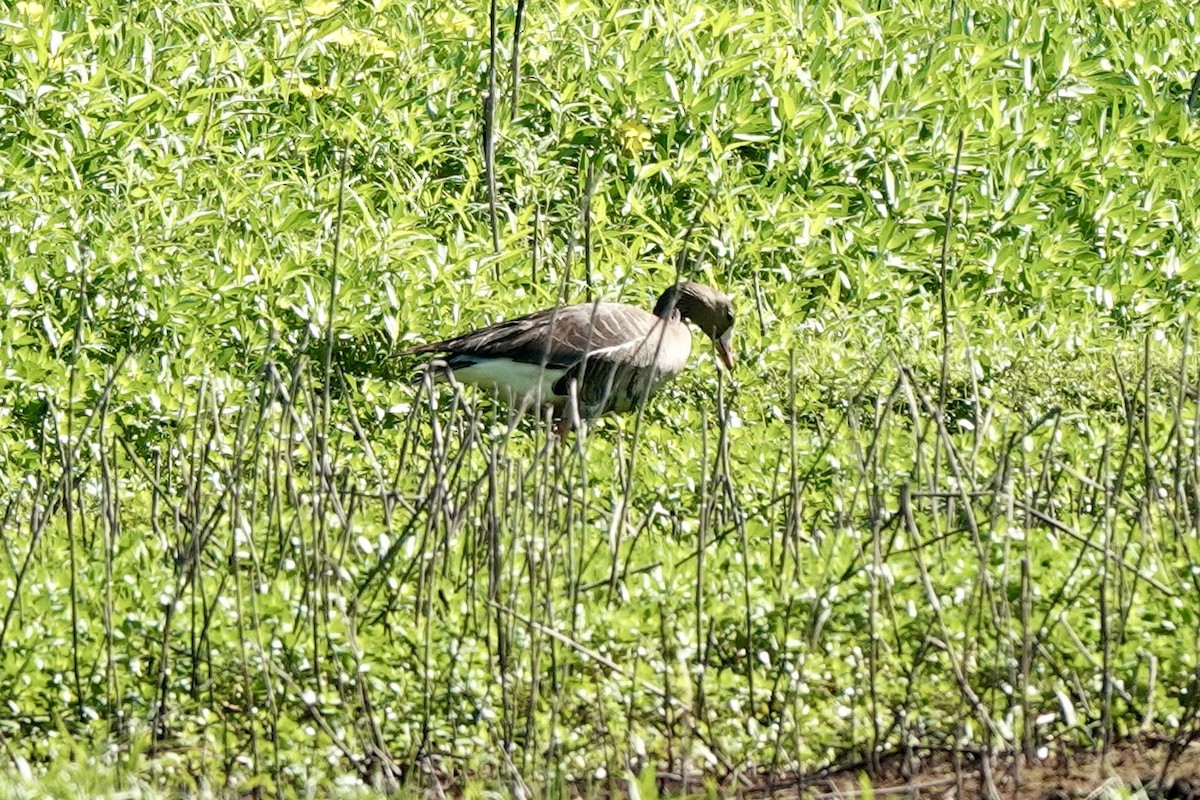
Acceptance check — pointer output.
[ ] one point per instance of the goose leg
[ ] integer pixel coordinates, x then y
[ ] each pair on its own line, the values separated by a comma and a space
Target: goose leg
569, 411
563, 427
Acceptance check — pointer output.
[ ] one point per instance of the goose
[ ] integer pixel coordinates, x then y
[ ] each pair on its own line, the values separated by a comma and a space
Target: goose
588, 359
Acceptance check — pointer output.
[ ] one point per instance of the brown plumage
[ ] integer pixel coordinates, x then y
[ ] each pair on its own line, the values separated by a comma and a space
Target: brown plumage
610, 356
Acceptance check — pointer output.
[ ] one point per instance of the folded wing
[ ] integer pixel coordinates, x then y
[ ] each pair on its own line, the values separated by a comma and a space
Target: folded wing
560, 338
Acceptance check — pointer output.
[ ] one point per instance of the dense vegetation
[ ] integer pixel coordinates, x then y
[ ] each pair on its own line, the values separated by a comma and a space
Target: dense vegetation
947, 502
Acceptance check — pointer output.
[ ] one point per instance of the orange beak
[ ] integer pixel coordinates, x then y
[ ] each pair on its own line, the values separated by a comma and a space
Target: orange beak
725, 348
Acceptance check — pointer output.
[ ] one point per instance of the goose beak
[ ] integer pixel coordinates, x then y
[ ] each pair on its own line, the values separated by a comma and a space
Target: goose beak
725, 348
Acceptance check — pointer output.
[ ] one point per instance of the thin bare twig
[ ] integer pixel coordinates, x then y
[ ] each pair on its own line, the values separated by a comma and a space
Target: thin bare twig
489, 133
942, 277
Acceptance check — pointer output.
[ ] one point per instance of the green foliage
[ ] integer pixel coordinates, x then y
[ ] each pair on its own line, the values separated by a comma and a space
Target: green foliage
795, 567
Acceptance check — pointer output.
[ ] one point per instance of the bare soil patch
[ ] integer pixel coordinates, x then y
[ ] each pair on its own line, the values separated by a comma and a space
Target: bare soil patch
1135, 765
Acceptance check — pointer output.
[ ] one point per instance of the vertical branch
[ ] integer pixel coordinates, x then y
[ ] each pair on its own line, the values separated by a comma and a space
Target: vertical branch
327, 366
758, 304
489, 133
701, 549
515, 68
111, 526
942, 277
1178, 481
1149, 476
492, 524
873, 651
68, 453
1106, 681
534, 247
323, 479
1028, 642
739, 519
791, 529
587, 226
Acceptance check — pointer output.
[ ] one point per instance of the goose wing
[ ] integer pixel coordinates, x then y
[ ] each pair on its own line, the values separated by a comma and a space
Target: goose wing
559, 337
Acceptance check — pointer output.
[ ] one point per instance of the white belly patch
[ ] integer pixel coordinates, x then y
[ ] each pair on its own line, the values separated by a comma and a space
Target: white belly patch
515, 381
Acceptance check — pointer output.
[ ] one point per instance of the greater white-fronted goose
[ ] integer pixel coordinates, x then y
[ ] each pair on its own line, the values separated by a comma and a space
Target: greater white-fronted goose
614, 355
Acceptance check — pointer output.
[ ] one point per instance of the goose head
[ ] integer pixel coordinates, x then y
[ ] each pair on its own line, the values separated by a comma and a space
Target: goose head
706, 308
